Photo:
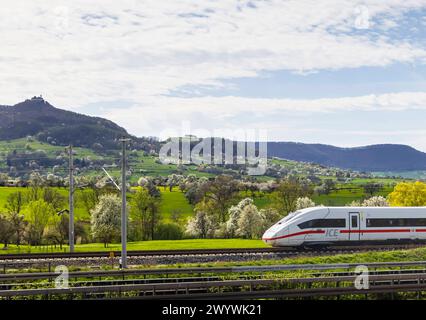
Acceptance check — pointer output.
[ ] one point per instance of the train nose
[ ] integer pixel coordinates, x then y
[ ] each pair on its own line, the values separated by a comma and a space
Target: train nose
275, 235
269, 236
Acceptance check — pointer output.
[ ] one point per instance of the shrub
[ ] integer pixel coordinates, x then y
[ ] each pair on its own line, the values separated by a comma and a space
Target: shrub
169, 231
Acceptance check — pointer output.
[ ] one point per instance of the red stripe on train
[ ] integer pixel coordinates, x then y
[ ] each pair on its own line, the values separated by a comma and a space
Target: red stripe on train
296, 234
344, 231
375, 231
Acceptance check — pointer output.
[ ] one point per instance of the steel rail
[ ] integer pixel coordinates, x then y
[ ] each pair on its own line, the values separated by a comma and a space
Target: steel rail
11, 286
204, 270
286, 293
137, 253
419, 279
106, 254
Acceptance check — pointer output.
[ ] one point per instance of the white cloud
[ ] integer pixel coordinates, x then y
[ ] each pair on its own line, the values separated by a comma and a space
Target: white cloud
283, 119
89, 51
82, 52
155, 114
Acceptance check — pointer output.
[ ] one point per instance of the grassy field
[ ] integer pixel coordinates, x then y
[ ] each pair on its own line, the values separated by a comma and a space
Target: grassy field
140, 163
147, 245
51, 150
344, 197
419, 174
80, 212
174, 202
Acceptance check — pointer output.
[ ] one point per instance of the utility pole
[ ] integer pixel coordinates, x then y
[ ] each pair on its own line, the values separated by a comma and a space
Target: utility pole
123, 204
71, 200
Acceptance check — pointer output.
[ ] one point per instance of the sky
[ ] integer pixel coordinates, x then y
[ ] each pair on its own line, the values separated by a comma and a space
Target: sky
341, 72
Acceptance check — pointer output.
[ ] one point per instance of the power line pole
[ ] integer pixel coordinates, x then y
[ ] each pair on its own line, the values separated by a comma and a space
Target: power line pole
123, 204
71, 200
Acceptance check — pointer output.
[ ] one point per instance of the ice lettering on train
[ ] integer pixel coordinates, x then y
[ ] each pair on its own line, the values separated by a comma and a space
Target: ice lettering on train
331, 232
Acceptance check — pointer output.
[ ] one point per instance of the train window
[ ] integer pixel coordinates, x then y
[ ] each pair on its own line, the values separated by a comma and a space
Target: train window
323, 223
354, 222
404, 222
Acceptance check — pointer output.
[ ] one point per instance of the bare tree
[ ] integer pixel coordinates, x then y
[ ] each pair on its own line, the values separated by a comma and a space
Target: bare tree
222, 192
286, 195
372, 187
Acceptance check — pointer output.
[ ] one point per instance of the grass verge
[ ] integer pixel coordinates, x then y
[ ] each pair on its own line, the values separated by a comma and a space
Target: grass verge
147, 245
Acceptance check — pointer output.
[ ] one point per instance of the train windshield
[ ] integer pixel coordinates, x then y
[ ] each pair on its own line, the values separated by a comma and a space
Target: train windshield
290, 216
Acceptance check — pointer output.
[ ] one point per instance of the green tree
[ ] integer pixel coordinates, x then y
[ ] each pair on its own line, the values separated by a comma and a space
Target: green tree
14, 205
14, 202
89, 197
52, 196
154, 215
168, 231
18, 224
6, 230
37, 214
144, 213
57, 229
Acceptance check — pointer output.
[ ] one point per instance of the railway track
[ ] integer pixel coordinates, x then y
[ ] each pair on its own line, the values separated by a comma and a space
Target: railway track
201, 252
184, 280
166, 272
218, 282
145, 253
380, 282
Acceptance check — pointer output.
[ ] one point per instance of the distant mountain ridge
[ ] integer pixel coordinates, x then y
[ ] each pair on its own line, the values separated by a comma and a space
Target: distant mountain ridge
36, 117
380, 157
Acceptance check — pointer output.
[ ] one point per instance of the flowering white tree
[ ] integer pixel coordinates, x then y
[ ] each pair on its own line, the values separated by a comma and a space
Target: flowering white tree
105, 218
202, 225
250, 222
142, 182
53, 180
234, 215
355, 203
377, 201
305, 202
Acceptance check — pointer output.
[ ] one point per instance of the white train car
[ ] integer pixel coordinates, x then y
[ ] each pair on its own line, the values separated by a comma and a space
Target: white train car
348, 225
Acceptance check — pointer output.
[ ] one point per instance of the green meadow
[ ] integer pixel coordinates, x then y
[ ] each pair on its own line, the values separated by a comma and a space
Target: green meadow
145, 245
172, 202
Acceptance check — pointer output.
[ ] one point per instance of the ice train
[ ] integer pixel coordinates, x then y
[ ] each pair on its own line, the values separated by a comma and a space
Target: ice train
318, 226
